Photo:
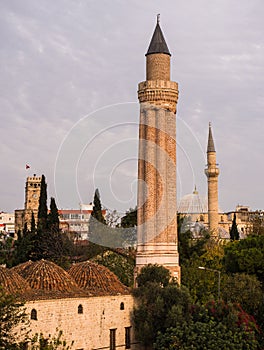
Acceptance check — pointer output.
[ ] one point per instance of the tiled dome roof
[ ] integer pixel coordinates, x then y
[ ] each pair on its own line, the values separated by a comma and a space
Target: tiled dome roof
12, 282
97, 279
21, 269
48, 279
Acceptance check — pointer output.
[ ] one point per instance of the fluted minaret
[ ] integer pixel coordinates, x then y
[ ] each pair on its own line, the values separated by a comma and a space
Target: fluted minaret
157, 212
212, 172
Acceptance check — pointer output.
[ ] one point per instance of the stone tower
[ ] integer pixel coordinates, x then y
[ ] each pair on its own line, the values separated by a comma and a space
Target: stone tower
157, 211
32, 194
212, 172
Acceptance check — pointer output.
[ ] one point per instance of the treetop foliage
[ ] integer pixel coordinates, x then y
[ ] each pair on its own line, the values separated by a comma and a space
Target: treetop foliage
166, 316
154, 274
246, 255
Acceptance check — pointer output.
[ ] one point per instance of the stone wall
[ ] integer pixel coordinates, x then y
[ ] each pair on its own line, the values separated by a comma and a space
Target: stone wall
90, 329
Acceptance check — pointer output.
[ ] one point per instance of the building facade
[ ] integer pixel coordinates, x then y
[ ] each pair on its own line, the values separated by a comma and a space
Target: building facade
88, 304
7, 223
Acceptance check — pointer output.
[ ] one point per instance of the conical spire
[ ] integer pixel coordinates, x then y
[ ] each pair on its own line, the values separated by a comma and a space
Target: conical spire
158, 43
210, 146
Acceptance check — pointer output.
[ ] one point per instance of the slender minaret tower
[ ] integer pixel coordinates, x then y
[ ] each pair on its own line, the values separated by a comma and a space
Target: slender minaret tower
212, 172
157, 211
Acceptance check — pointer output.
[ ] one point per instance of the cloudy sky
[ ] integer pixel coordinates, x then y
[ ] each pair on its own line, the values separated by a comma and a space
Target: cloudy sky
69, 72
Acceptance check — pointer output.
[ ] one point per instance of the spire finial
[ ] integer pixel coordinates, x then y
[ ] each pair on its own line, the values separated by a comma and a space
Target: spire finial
158, 43
210, 145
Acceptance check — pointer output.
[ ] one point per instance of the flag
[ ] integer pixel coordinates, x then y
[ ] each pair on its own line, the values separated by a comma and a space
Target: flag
27, 166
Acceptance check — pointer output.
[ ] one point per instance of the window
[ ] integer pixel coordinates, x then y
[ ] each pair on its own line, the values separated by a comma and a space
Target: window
122, 306
65, 216
74, 216
113, 339
80, 309
128, 337
33, 314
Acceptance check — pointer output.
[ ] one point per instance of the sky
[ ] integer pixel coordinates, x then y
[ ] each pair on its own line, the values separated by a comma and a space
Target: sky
68, 96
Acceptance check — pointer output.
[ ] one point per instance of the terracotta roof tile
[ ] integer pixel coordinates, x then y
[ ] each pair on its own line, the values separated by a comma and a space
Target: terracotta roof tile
12, 282
97, 279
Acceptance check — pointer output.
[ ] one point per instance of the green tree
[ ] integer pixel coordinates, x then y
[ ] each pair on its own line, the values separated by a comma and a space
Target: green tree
129, 224
243, 289
212, 326
195, 252
208, 335
234, 234
245, 255
122, 265
130, 219
39, 342
154, 274
24, 246
191, 249
43, 209
12, 314
50, 243
159, 303
6, 249
257, 221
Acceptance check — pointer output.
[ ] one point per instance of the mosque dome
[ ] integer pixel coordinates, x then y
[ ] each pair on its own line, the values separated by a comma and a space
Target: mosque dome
97, 279
47, 278
193, 203
12, 282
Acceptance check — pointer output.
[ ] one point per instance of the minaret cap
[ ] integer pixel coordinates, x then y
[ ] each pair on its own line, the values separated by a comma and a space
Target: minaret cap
158, 43
210, 146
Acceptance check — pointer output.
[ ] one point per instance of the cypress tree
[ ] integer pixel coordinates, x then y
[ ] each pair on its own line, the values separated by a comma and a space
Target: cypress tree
43, 210
97, 223
24, 246
33, 223
234, 234
53, 216
97, 208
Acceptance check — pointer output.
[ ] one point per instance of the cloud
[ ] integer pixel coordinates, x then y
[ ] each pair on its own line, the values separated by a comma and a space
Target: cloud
60, 61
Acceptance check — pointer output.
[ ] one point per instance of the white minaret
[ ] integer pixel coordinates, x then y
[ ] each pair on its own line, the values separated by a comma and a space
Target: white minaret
212, 172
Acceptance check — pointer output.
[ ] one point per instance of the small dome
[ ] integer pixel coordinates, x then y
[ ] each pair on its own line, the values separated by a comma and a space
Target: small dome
12, 282
22, 269
193, 203
97, 279
46, 276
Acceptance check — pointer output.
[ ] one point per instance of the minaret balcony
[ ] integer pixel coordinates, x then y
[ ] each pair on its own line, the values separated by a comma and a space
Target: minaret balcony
212, 172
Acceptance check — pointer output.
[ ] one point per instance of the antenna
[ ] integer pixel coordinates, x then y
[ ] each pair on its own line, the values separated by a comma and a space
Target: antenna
158, 18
